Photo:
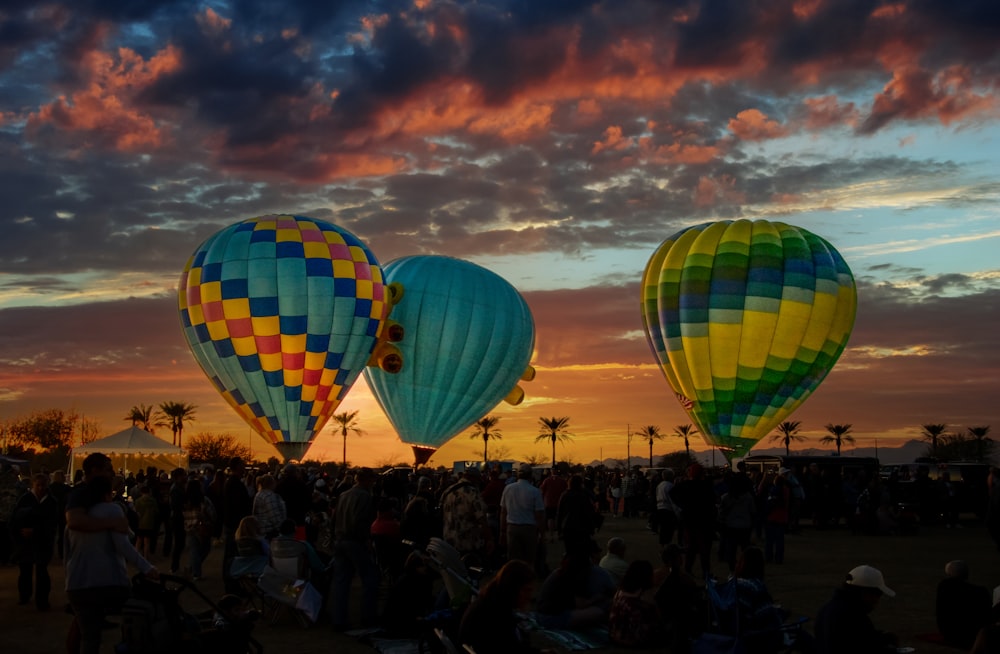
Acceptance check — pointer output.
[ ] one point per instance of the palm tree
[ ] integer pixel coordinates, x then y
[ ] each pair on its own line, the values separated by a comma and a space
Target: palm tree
839, 434
347, 422
141, 415
979, 433
555, 430
932, 433
486, 428
786, 433
651, 433
686, 432
173, 415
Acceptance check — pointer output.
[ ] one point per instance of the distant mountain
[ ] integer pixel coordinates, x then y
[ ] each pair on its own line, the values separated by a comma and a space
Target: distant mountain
908, 452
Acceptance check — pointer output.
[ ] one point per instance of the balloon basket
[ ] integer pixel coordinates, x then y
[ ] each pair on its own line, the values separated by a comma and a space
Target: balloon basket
422, 455
291, 451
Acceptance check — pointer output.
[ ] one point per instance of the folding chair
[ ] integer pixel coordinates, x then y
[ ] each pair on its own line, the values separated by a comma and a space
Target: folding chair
285, 584
762, 633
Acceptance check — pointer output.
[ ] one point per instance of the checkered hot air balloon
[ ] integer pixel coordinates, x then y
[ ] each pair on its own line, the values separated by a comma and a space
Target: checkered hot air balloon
283, 313
746, 319
469, 339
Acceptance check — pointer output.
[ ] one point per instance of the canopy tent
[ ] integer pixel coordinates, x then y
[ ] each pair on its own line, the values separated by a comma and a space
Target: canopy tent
132, 449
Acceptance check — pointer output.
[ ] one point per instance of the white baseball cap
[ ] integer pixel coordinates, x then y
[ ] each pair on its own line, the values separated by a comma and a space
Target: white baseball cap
866, 576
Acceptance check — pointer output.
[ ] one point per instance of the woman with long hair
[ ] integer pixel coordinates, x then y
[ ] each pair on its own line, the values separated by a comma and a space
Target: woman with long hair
490, 625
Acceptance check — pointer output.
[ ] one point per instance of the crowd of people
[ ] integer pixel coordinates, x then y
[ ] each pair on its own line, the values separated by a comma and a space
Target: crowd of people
356, 524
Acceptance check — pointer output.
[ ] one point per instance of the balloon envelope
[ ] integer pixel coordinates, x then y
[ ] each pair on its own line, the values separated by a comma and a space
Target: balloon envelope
282, 314
746, 319
469, 337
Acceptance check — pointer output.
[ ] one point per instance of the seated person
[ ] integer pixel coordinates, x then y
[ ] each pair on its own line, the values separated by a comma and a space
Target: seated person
758, 614
635, 619
285, 545
578, 593
680, 600
988, 638
843, 624
250, 540
410, 598
491, 624
962, 608
614, 561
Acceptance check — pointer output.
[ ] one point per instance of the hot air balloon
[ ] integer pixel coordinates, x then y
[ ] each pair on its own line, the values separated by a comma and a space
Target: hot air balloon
469, 338
282, 313
746, 319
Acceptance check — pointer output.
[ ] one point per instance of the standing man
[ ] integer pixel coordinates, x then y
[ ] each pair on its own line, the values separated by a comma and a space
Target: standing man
178, 479
522, 517
552, 488
236, 505
463, 509
352, 551
34, 529
666, 511
59, 491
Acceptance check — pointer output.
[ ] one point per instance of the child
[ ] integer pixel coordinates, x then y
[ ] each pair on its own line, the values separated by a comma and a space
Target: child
149, 519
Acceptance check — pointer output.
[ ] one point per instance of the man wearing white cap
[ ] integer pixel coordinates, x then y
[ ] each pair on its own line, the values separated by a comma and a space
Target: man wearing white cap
843, 624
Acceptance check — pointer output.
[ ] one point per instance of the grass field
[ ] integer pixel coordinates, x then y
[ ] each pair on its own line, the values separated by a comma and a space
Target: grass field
816, 562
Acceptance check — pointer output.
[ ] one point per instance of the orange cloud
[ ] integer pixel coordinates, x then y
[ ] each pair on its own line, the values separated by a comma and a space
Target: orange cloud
212, 23
103, 109
754, 125
827, 111
613, 140
915, 93
722, 190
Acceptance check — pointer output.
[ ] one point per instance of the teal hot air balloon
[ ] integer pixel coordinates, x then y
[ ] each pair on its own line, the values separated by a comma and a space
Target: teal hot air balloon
746, 319
469, 339
282, 313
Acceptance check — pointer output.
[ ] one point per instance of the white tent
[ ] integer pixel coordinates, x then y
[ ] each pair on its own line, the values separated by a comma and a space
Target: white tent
132, 449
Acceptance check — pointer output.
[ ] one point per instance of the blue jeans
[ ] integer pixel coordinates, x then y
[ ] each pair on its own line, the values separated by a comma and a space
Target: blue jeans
198, 548
774, 542
350, 557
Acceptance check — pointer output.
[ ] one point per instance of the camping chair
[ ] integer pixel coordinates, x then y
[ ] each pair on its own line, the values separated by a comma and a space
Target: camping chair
729, 630
285, 584
447, 561
246, 570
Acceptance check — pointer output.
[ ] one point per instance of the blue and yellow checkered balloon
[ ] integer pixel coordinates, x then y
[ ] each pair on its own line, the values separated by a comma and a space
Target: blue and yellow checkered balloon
282, 314
746, 319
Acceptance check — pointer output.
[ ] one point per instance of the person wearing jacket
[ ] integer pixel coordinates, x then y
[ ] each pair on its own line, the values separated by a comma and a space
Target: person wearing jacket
843, 624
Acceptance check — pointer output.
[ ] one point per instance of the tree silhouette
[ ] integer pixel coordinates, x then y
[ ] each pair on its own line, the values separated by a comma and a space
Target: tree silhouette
979, 434
141, 414
347, 423
839, 434
486, 428
173, 415
686, 432
786, 433
651, 433
553, 429
932, 433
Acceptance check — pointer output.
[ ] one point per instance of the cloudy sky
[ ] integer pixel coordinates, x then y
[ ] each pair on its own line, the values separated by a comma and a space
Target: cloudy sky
556, 143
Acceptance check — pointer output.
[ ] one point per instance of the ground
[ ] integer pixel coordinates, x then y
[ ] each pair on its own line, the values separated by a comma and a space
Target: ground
816, 562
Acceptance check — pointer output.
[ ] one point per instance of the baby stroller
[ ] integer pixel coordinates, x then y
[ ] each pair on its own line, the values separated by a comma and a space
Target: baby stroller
156, 620
732, 628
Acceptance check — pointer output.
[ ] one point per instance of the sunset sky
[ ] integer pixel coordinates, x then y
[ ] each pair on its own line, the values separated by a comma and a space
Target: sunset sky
556, 143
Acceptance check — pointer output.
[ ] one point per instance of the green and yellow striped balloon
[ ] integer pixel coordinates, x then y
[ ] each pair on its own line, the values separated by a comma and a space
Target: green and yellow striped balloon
746, 319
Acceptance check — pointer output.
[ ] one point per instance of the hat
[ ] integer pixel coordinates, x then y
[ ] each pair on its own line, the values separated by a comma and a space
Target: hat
865, 576
319, 483
783, 471
525, 467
